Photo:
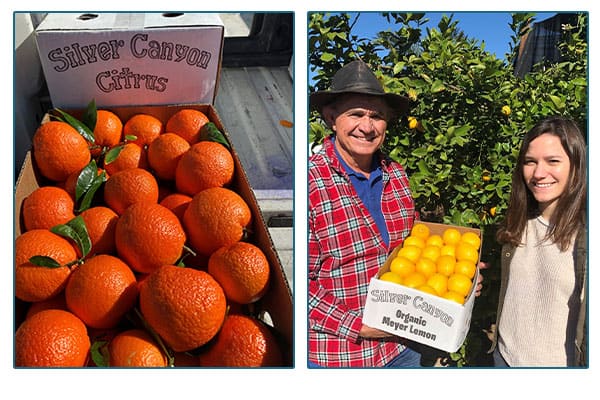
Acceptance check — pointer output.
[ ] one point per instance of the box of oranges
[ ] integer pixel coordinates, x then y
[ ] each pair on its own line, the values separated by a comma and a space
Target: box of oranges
425, 290
261, 312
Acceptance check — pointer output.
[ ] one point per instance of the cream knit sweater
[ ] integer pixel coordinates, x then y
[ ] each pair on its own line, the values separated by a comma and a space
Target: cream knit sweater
537, 325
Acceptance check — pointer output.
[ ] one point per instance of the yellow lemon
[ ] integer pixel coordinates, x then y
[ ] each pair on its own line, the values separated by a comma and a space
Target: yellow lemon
506, 110
472, 238
412, 122
451, 236
413, 280
390, 276
431, 252
420, 230
448, 250
460, 284
445, 265
466, 268
467, 252
402, 266
426, 267
414, 241
427, 289
439, 283
411, 252
453, 296
434, 240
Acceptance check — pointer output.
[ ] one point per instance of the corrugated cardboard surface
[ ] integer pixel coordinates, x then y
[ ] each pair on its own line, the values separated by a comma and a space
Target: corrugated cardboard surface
276, 306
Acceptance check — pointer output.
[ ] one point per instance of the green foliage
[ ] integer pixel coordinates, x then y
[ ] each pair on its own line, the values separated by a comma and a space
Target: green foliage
461, 154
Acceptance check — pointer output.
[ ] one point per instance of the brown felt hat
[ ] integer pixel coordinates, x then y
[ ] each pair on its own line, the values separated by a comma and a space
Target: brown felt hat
356, 77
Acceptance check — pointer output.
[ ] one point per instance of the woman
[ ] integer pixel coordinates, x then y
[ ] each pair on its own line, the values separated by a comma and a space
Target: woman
541, 319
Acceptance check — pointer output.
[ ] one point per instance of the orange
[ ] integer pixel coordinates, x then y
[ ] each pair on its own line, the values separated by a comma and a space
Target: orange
59, 150
414, 241
149, 235
101, 291
431, 252
216, 217
448, 250
460, 284
402, 266
414, 279
185, 306
243, 341
445, 265
130, 156
439, 283
434, 240
39, 283
128, 187
101, 223
465, 268
46, 207
426, 267
108, 129
187, 124
427, 289
135, 348
165, 152
472, 238
242, 270
204, 165
453, 296
177, 203
411, 252
451, 236
52, 338
420, 230
390, 276
466, 252
144, 127
57, 302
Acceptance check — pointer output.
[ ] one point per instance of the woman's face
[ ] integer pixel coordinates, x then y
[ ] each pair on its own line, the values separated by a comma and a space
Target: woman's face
546, 171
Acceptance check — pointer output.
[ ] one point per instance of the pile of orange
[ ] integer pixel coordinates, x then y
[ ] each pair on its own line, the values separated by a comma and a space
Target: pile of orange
442, 264
142, 271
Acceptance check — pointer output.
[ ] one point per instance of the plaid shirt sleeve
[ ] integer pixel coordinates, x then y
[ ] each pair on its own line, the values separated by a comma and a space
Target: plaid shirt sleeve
345, 252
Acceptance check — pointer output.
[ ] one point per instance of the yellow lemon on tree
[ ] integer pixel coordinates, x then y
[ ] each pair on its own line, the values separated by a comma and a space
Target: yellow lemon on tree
451, 236
465, 251
412, 122
413, 241
472, 238
439, 283
466, 268
453, 296
411, 252
431, 253
506, 110
402, 266
434, 240
420, 230
413, 280
459, 283
426, 267
390, 276
445, 265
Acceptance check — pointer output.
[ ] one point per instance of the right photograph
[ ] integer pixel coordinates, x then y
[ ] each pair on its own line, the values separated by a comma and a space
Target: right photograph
447, 189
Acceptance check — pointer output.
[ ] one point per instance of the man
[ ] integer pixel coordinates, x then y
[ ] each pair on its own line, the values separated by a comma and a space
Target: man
360, 208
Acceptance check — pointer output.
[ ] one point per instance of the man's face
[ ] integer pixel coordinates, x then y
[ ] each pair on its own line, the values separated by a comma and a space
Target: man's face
360, 122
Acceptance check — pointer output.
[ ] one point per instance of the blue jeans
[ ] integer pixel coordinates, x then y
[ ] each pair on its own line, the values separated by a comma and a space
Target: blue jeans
498, 359
407, 359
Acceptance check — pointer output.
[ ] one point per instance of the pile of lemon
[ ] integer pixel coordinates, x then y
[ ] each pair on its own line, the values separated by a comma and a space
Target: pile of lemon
442, 265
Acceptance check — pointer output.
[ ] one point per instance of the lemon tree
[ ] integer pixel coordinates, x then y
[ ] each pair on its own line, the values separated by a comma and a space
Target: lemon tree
468, 112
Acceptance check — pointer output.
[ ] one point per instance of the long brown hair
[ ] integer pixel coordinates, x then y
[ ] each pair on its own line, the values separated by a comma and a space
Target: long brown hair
571, 206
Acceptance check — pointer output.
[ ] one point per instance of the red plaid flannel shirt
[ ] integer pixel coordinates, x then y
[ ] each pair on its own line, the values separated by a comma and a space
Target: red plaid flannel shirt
345, 250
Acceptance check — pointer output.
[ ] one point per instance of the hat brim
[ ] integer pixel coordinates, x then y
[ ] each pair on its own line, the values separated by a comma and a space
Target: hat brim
398, 104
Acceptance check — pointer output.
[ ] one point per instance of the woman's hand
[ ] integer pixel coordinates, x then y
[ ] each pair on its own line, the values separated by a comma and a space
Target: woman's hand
482, 265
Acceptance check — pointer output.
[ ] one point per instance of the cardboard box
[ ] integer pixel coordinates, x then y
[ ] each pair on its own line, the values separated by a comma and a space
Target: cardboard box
276, 305
416, 315
125, 59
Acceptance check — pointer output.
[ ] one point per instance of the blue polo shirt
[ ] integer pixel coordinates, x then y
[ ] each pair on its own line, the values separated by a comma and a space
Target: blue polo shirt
370, 191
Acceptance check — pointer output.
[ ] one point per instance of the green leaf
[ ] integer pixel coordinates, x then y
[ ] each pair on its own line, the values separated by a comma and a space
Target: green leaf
327, 57
75, 230
419, 152
99, 352
112, 154
210, 132
85, 179
78, 125
90, 115
437, 86
557, 101
91, 191
45, 261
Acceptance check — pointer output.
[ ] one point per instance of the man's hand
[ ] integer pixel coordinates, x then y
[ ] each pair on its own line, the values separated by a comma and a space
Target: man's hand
372, 333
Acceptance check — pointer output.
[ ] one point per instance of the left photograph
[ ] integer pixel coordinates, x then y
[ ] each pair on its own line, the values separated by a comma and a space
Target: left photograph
153, 190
